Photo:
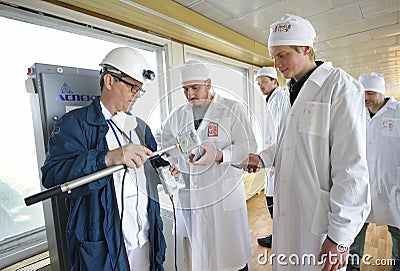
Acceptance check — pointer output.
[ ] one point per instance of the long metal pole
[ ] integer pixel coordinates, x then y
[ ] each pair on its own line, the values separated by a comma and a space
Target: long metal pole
69, 186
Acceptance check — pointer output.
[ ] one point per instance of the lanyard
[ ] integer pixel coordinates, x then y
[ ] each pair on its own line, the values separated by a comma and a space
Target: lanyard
110, 123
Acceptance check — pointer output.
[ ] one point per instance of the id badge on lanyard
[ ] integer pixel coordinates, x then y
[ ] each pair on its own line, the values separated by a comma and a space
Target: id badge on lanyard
130, 184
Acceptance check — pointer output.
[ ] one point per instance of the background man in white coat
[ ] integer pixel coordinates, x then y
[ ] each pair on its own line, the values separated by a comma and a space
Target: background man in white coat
277, 107
214, 202
383, 156
321, 197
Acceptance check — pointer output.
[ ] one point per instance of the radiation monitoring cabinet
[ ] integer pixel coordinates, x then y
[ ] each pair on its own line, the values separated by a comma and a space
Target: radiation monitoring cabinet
55, 90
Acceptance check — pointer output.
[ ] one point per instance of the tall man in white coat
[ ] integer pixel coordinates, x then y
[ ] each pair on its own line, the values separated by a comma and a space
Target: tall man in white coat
276, 109
214, 202
383, 156
321, 197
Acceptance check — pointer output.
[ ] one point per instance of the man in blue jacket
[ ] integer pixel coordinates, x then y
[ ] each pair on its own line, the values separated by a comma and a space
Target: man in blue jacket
114, 222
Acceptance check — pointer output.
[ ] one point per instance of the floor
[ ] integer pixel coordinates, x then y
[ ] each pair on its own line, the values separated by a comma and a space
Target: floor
378, 243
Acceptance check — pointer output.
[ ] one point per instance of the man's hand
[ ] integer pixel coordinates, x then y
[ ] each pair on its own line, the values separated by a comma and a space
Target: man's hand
210, 155
254, 163
132, 155
272, 171
174, 172
335, 256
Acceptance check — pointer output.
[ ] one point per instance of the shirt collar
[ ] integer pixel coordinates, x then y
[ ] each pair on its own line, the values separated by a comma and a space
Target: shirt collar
107, 114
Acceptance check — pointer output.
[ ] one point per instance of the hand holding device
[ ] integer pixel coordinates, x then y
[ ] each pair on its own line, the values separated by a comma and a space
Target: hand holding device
252, 164
208, 157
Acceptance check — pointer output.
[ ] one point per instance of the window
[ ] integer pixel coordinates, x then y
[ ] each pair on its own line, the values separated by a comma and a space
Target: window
230, 81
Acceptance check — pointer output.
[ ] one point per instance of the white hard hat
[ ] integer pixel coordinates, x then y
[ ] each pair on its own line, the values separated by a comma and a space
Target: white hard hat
194, 70
291, 30
372, 81
128, 61
267, 71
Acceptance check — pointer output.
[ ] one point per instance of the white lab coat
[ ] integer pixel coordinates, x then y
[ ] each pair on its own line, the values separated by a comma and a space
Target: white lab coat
276, 110
321, 169
215, 213
383, 156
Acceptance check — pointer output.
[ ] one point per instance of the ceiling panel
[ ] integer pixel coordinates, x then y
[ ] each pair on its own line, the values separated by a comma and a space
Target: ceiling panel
350, 40
331, 33
336, 17
379, 43
373, 23
386, 31
253, 23
212, 13
261, 37
356, 35
306, 8
342, 3
390, 48
374, 7
238, 8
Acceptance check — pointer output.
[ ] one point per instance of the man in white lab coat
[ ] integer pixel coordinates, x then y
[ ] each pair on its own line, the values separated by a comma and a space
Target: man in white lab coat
276, 110
214, 202
321, 197
383, 156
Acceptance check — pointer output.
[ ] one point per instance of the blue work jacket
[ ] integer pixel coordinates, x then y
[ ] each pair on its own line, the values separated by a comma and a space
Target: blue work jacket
77, 147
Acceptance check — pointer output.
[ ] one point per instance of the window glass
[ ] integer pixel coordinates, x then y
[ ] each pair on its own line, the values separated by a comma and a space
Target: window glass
228, 80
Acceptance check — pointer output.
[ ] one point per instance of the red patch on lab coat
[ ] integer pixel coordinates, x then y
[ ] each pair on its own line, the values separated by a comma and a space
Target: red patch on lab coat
212, 129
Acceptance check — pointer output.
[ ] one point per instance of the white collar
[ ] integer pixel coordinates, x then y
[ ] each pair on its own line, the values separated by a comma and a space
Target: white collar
123, 120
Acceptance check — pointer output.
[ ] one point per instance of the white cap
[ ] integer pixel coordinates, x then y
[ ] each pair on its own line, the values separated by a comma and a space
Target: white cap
267, 71
372, 81
194, 70
291, 30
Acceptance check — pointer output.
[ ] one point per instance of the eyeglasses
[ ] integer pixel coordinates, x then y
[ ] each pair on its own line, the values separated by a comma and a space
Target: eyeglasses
135, 89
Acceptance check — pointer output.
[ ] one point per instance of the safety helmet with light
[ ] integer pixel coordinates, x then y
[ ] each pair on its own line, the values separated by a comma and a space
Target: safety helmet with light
127, 61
